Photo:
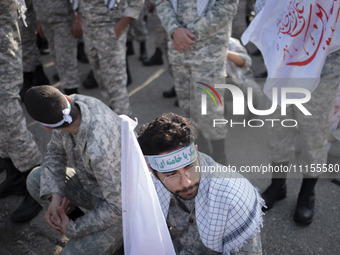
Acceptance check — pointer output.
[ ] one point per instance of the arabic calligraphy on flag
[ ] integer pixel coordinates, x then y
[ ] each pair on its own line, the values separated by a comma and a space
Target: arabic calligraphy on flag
295, 37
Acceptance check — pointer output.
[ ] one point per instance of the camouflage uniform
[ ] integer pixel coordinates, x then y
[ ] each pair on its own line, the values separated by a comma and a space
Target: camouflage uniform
313, 130
55, 18
204, 61
94, 183
138, 27
30, 52
189, 221
16, 141
105, 51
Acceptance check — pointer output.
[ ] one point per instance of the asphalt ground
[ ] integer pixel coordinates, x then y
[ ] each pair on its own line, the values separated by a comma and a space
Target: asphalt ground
246, 146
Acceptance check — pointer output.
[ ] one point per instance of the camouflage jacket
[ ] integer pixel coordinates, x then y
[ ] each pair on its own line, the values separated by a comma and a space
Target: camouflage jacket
53, 11
95, 155
212, 29
95, 12
225, 214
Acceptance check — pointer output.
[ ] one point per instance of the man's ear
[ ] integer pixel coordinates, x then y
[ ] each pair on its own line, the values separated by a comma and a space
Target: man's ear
68, 98
46, 128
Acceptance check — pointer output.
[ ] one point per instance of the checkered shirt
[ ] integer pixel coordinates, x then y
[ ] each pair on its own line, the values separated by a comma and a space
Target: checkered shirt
228, 209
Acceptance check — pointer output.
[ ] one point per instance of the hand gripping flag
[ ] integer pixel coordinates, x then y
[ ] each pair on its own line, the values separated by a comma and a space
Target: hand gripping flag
144, 228
295, 36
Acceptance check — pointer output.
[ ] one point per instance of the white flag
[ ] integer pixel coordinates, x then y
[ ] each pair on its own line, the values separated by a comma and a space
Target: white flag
295, 36
144, 228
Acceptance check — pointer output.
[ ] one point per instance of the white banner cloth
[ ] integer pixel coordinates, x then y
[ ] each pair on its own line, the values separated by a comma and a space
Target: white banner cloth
295, 36
144, 227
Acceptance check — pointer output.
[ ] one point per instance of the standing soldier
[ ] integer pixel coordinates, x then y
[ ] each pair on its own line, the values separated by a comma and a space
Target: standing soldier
199, 32
61, 27
18, 151
105, 29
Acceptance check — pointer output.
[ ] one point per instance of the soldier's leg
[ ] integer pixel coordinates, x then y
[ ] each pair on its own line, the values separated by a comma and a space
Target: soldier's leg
182, 76
112, 64
282, 151
101, 242
32, 66
314, 131
30, 52
252, 247
65, 47
16, 142
215, 134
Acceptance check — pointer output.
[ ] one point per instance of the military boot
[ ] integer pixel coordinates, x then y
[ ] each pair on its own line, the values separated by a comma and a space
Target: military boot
28, 209
15, 183
40, 77
155, 59
128, 74
2, 165
304, 211
142, 57
170, 93
27, 84
90, 82
129, 48
81, 55
277, 190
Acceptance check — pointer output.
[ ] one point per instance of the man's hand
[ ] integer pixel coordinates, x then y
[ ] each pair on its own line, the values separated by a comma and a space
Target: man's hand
121, 25
51, 215
40, 31
77, 29
182, 39
64, 218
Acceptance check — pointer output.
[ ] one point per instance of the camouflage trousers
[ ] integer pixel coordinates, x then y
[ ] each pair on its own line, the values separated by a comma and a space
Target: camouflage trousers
161, 40
107, 55
312, 130
30, 52
138, 28
189, 97
16, 142
63, 47
106, 241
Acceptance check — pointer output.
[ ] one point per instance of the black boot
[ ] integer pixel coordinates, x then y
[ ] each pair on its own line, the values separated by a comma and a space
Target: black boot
2, 165
27, 84
81, 55
15, 182
56, 77
155, 59
143, 57
71, 91
304, 211
169, 93
40, 77
277, 189
129, 48
28, 209
90, 82
42, 45
218, 151
129, 79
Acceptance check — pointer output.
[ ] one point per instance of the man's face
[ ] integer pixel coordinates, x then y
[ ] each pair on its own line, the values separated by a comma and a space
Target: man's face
182, 182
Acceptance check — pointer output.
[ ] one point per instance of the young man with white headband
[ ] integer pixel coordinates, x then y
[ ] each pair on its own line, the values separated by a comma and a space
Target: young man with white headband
81, 167
205, 213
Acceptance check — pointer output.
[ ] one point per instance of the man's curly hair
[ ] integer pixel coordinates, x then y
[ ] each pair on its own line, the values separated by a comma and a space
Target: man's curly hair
167, 132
